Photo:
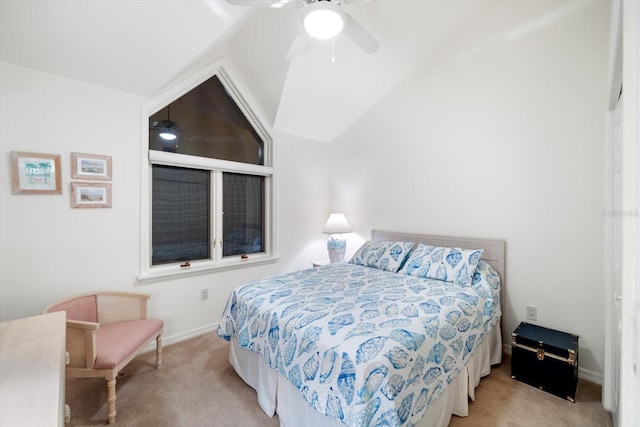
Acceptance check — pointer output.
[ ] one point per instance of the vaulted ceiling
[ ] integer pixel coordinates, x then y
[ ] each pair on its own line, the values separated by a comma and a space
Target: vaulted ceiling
143, 46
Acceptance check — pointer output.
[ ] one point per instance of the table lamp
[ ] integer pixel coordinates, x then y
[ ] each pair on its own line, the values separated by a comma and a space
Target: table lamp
336, 226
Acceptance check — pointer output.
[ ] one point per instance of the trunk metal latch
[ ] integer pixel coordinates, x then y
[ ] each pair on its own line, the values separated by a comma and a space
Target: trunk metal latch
540, 350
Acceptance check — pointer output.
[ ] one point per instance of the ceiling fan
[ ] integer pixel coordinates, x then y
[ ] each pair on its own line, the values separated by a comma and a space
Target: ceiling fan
167, 128
321, 19
169, 132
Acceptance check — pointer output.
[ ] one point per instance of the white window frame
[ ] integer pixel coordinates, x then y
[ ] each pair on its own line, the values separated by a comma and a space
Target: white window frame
238, 93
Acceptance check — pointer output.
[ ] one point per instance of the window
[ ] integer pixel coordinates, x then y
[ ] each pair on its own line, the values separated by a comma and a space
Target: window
243, 214
206, 122
180, 214
209, 182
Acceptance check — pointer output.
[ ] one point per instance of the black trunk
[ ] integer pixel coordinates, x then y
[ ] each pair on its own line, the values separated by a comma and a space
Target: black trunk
546, 359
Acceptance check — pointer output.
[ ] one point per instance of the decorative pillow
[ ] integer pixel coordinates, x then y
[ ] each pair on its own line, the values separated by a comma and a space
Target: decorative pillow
383, 255
447, 264
486, 275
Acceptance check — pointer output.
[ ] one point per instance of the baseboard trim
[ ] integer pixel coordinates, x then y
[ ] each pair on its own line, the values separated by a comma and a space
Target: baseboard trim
182, 336
584, 374
588, 375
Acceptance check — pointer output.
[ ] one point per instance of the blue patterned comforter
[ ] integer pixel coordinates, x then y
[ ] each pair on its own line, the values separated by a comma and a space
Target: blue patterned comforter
363, 345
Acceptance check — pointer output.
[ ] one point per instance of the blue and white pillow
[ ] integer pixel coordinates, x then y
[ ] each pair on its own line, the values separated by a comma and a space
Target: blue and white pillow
383, 255
455, 265
486, 281
486, 275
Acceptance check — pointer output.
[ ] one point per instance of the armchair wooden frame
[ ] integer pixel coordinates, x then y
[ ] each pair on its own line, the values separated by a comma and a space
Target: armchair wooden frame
124, 312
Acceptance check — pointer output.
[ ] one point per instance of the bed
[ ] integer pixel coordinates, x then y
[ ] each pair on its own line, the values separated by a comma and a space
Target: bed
399, 335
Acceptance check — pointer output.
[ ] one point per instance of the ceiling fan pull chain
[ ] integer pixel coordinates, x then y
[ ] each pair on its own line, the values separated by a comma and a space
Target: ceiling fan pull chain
333, 49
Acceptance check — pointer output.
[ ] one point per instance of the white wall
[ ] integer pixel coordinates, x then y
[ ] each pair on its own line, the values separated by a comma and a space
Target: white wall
49, 251
504, 141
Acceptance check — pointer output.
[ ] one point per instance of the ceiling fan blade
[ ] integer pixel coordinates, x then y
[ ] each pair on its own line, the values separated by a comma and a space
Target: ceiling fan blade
359, 35
193, 133
264, 3
299, 44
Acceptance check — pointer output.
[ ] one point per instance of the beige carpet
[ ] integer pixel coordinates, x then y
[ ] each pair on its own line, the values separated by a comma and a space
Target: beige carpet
197, 386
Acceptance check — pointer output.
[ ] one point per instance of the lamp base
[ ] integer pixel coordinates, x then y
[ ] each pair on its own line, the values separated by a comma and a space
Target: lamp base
336, 246
336, 255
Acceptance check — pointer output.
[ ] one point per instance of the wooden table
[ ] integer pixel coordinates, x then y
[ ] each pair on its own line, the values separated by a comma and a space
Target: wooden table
32, 365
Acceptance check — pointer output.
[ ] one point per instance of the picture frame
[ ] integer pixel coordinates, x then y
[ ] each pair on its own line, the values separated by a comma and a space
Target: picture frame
90, 166
35, 173
90, 195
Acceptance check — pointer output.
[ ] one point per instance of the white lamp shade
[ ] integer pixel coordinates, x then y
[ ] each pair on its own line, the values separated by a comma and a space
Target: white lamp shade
336, 224
323, 20
168, 134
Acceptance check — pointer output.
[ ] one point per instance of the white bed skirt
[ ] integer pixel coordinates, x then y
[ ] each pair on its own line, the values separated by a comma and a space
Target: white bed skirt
277, 394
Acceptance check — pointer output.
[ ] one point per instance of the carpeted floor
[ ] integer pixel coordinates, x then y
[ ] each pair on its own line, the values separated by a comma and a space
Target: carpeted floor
197, 386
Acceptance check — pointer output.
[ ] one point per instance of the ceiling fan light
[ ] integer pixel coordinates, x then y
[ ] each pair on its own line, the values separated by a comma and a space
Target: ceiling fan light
323, 20
168, 134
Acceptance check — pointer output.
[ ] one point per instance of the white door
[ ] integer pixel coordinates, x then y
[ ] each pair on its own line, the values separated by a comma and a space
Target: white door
616, 261
613, 226
613, 297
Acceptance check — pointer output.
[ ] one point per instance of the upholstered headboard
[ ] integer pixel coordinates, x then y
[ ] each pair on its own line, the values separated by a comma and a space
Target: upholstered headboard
494, 249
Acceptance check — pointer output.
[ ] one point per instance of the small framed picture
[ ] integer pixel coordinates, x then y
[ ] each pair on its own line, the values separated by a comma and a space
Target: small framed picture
90, 195
90, 166
35, 173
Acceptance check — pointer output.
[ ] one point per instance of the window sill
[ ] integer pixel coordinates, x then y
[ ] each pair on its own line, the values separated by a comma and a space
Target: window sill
174, 271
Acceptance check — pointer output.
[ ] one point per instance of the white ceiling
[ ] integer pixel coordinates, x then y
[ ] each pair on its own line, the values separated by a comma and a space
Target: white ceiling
141, 46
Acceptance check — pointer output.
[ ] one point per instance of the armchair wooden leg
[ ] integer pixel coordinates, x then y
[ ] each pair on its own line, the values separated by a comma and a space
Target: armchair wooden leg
158, 351
111, 399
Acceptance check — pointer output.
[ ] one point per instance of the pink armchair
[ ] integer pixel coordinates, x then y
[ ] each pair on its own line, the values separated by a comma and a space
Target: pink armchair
105, 331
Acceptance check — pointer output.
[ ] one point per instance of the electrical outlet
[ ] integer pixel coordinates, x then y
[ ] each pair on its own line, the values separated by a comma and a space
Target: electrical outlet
532, 312
204, 294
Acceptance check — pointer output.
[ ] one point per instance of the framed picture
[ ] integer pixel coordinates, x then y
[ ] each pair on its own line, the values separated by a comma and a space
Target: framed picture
90, 166
35, 173
90, 195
